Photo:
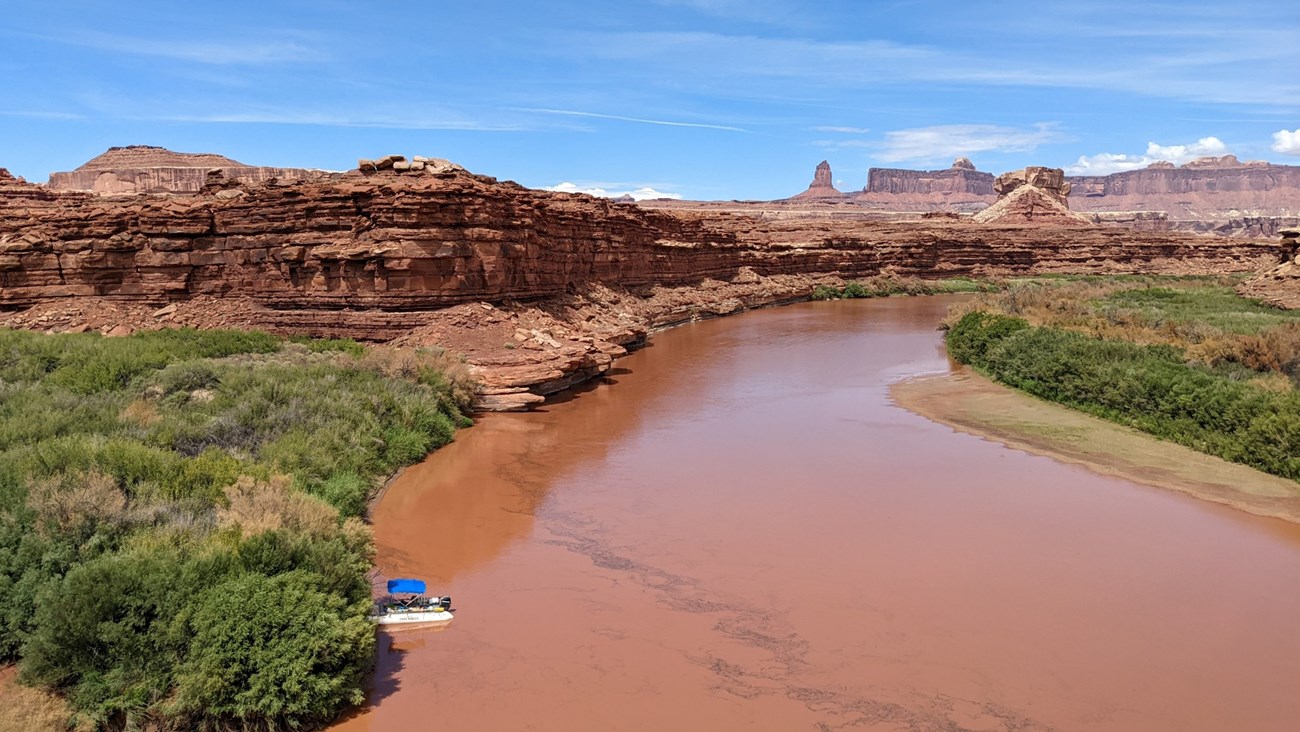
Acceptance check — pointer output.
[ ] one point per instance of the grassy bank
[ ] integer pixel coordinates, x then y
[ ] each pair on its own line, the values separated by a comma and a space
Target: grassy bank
885, 286
1184, 360
180, 545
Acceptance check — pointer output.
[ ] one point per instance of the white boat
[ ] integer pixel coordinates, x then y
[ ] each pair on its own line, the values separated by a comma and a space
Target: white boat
406, 606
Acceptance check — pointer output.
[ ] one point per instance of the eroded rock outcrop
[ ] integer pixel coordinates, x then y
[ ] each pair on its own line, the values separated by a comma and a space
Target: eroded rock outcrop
149, 169
1033, 195
1279, 285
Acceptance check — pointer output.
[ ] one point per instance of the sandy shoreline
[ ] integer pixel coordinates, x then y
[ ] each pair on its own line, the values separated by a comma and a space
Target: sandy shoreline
973, 404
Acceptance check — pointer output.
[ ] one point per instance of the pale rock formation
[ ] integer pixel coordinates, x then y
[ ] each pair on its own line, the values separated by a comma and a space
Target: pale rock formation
417, 164
1280, 284
1033, 195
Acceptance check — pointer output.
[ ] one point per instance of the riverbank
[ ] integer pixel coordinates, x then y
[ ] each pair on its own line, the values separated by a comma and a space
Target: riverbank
972, 403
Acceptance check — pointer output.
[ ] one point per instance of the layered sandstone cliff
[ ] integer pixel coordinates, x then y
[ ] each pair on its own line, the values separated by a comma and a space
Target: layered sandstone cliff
1205, 189
148, 169
957, 188
539, 289
1219, 195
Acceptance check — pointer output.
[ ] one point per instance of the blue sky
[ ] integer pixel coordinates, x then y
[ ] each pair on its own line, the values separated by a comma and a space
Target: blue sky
699, 98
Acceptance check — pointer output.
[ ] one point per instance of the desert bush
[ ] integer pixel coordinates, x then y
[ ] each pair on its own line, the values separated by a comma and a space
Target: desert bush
255, 507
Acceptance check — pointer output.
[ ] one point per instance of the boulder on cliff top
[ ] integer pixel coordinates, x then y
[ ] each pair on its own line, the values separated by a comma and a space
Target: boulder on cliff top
1227, 161
963, 163
399, 163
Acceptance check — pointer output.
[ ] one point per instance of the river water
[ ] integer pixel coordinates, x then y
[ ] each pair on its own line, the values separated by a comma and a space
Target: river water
738, 530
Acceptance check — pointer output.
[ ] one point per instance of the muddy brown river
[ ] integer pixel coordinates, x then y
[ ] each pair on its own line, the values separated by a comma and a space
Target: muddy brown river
739, 530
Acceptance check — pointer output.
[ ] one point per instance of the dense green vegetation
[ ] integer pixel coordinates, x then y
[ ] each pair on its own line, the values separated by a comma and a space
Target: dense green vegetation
885, 285
1210, 303
1154, 388
179, 547
1201, 317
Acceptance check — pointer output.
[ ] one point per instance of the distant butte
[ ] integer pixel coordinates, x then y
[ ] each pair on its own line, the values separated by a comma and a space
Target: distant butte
151, 156
151, 169
822, 185
959, 187
1220, 195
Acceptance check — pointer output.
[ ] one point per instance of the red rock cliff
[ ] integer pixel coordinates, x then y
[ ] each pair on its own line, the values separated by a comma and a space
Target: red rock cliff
1210, 188
960, 187
477, 266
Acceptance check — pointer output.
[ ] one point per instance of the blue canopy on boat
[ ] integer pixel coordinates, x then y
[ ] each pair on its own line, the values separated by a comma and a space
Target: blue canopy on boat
414, 586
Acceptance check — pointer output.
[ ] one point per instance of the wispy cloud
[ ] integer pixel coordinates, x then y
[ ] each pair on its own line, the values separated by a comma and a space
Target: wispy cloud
780, 12
638, 120
942, 142
252, 52
405, 121
33, 114
722, 63
845, 144
1107, 163
843, 130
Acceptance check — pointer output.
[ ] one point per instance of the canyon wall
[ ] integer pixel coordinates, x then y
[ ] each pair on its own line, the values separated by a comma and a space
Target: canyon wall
396, 242
1222, 195
538, 290
1212, 188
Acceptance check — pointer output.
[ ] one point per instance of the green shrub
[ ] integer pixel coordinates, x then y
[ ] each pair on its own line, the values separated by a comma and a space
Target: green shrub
265, 652
1151, 388
135, 579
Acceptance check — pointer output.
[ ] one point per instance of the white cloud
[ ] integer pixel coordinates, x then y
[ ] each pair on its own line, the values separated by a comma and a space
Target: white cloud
1287, 142
843, 130
643, 193
1107, 163
944, 142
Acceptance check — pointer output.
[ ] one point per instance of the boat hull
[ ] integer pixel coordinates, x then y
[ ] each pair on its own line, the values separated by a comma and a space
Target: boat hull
412, 618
